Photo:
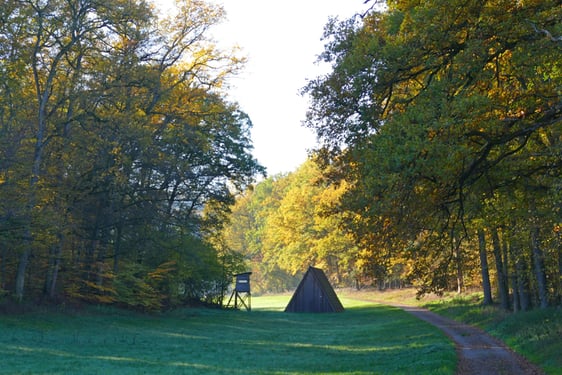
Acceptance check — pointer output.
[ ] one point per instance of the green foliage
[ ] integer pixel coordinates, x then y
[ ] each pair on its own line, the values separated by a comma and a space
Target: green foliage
133, 287
284, 225
115, 134
430, 115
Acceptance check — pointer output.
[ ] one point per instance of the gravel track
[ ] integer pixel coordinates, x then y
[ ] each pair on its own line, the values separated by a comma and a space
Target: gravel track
478, 352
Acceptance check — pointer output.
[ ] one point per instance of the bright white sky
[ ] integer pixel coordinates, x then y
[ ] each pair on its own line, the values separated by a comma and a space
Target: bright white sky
281, 40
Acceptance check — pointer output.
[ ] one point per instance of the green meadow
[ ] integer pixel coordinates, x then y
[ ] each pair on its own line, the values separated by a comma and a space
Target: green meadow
365, 339
535, 334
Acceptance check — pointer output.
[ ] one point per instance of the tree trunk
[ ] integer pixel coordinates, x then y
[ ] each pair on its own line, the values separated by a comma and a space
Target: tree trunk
457, 253
502, 277
538, 261
53, 286
505, 257
117, 247
21, 272
516, 302
49, 273
523, 283
514, 279
43, 87
559, 245
42, 99
486, 286
53, 271
2, 267
32, 198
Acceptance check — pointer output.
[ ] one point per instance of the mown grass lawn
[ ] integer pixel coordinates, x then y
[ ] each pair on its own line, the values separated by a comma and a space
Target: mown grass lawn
535, 334
365, 339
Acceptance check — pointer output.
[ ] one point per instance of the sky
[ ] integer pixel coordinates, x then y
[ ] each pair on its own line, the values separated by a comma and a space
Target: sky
281, 40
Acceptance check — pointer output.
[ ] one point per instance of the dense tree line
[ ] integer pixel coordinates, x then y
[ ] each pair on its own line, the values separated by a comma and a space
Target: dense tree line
444, 116
282, 226
119, 152
289, 222
440, 124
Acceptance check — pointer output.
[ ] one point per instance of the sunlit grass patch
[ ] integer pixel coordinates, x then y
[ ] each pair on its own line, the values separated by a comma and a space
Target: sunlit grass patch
271, 302
365, 339
537, 334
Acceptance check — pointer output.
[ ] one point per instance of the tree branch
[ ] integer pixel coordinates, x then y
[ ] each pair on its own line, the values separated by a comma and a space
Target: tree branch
546, 33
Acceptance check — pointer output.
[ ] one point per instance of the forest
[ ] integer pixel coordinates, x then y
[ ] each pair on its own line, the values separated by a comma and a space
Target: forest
119, 153
440, 158
127, 176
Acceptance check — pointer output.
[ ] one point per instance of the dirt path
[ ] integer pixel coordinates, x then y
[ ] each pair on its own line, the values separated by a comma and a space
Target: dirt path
478, 352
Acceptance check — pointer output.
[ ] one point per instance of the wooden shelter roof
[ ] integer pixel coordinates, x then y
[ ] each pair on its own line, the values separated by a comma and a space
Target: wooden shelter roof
314, 294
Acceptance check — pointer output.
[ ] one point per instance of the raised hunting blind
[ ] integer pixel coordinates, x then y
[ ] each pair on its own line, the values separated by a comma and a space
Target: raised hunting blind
241, 293
314, 294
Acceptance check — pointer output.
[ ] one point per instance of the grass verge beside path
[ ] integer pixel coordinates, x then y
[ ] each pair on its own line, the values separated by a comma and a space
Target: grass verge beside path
365, 339
536, 334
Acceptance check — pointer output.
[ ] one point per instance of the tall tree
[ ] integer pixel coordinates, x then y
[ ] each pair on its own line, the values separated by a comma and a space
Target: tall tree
119, 135
486, 285
427, 112
284, 225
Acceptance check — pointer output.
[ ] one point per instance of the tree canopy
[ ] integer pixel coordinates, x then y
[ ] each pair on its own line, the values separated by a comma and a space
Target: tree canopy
121, 156
117, 145
284, 225
445, 122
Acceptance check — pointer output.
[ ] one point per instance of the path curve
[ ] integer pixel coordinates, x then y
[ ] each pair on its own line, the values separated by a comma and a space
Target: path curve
478, 352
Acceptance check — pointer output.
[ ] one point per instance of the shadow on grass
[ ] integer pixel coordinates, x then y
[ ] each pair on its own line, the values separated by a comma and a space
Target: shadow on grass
365, 339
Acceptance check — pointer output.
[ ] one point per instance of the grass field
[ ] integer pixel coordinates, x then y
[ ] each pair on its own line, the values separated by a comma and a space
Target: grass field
365, 339
535, 334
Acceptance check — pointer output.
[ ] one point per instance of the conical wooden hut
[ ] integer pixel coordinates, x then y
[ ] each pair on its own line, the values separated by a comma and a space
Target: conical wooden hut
314, 294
